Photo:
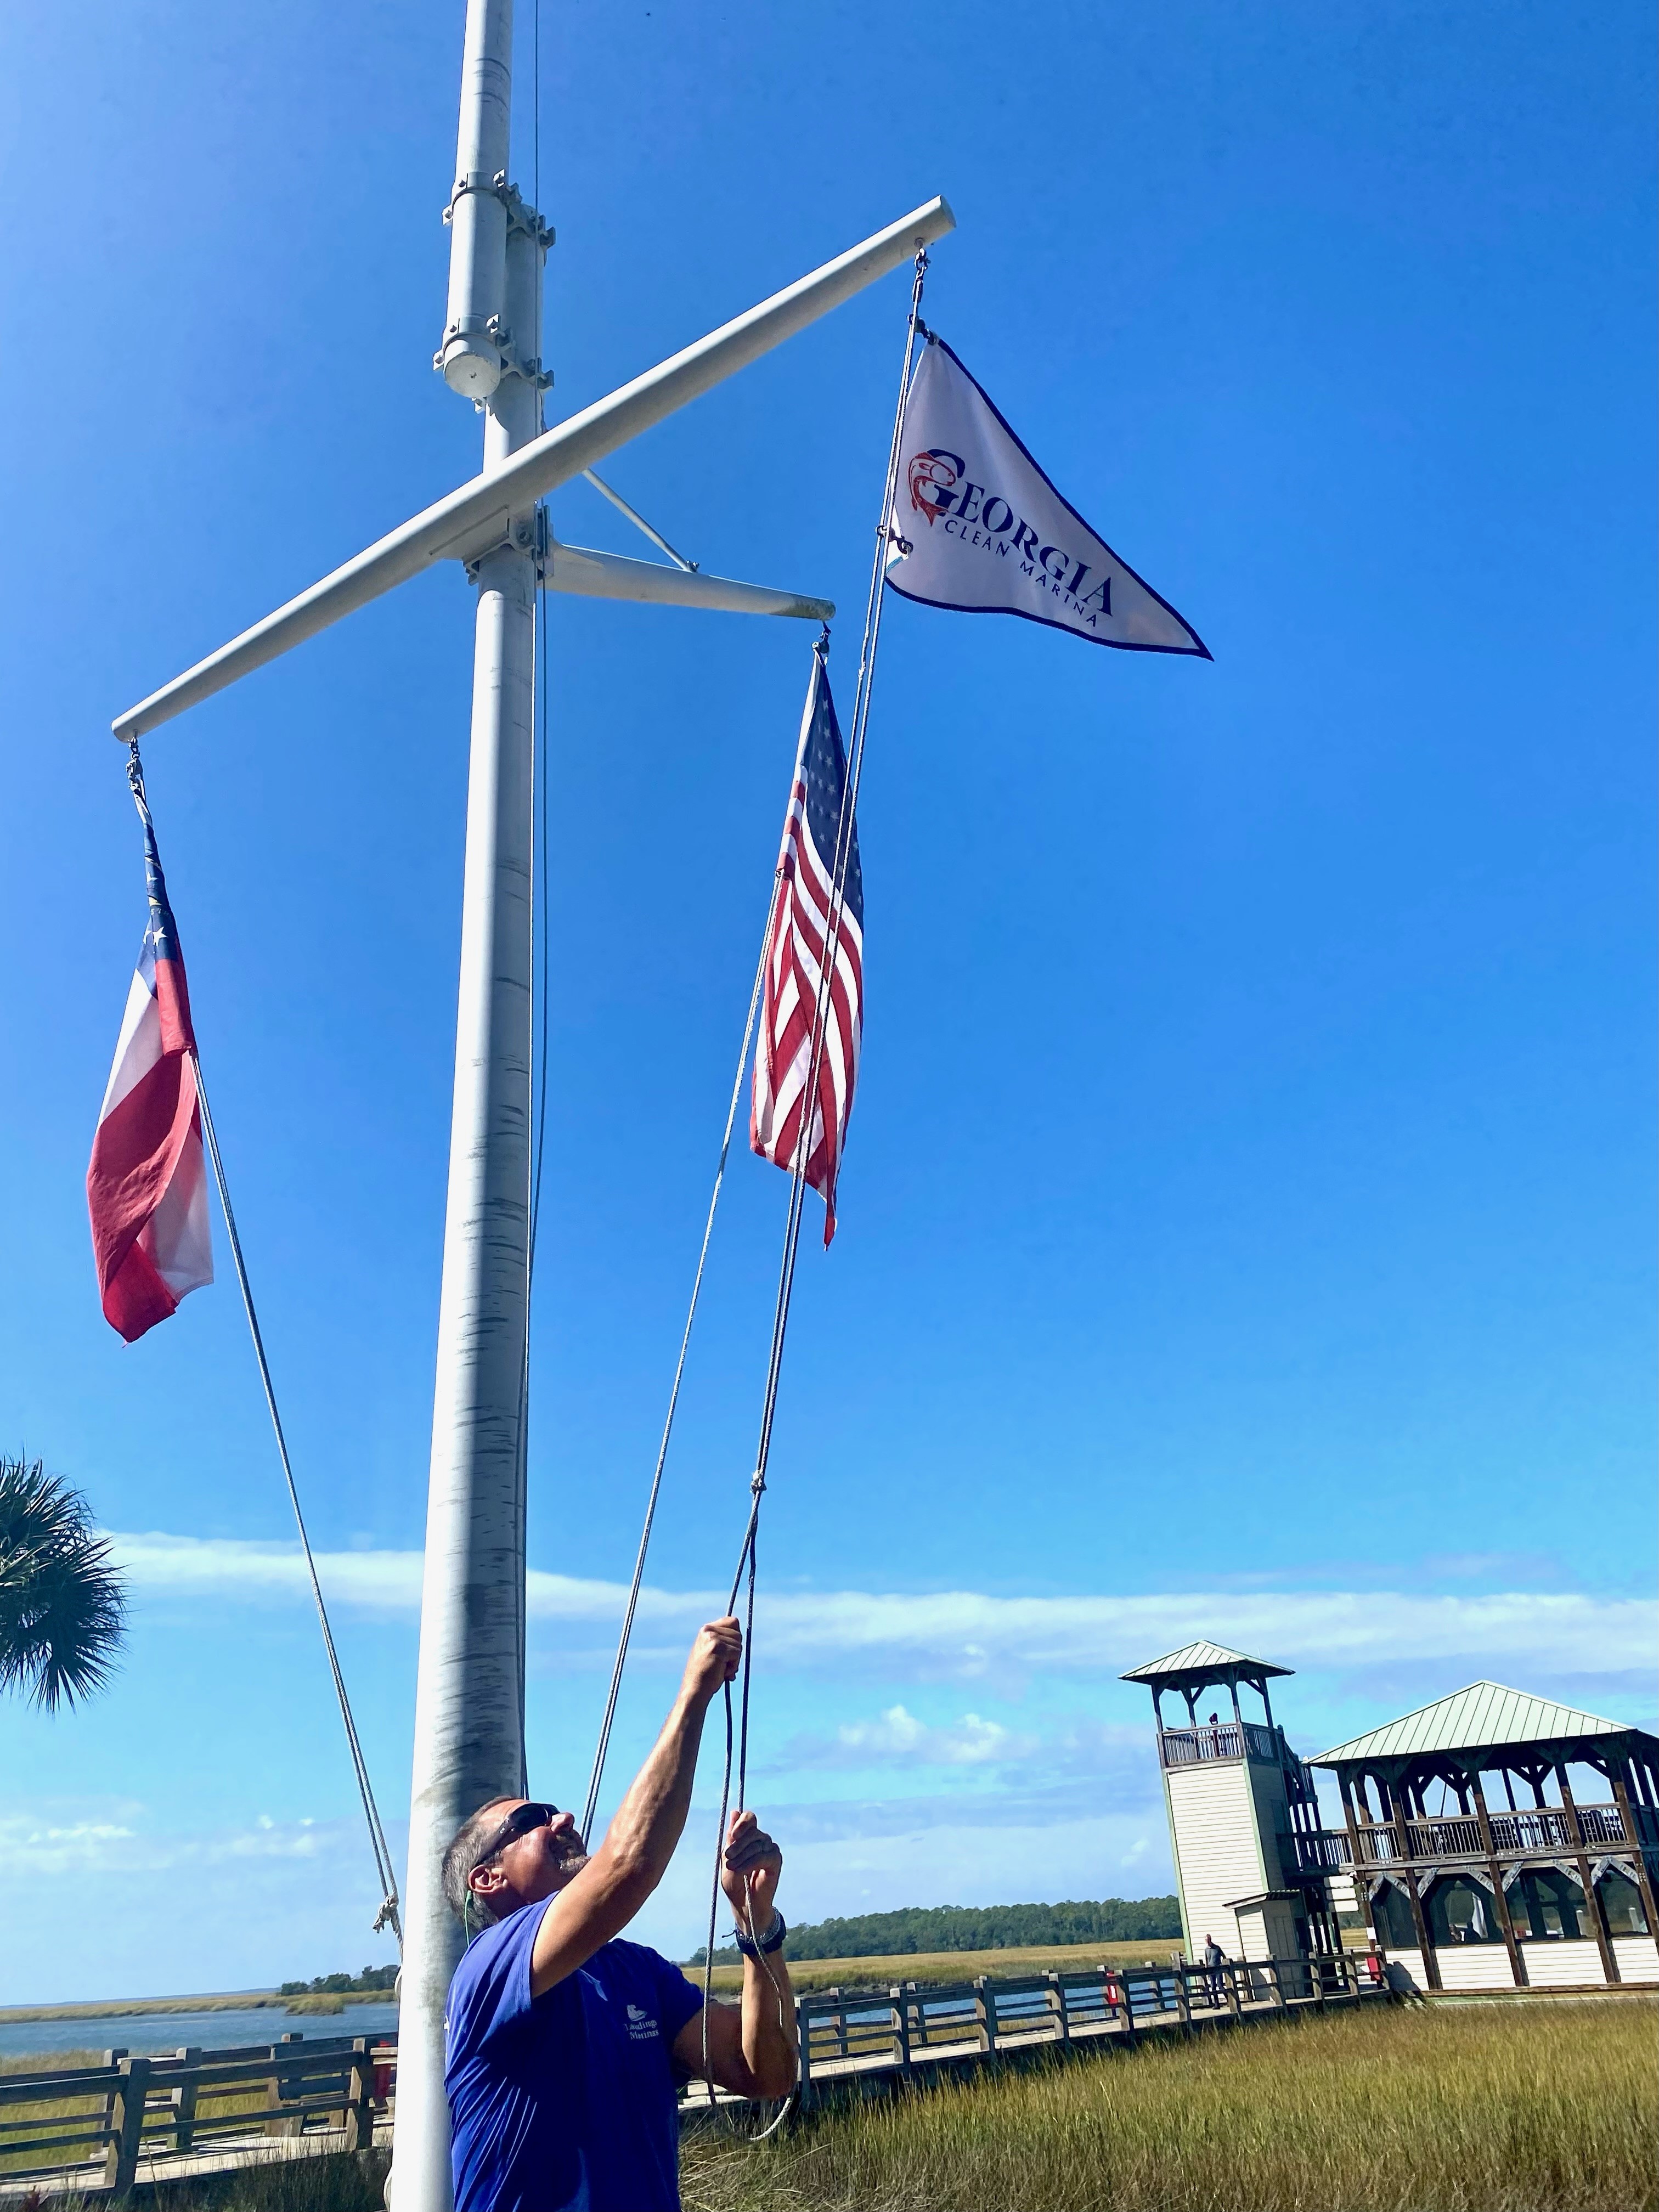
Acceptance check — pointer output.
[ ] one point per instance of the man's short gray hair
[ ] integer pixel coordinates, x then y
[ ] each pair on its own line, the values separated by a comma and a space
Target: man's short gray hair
466, 1852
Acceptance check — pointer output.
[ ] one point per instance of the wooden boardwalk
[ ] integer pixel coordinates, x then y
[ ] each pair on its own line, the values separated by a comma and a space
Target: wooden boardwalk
100, 2131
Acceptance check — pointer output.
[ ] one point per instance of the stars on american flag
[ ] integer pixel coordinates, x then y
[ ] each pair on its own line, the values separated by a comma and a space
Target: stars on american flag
816, 930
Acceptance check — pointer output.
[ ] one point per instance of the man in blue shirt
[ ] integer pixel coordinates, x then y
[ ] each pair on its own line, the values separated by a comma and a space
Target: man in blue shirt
563, 2043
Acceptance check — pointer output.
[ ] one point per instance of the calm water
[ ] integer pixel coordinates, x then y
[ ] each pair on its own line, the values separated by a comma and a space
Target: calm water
218, 2030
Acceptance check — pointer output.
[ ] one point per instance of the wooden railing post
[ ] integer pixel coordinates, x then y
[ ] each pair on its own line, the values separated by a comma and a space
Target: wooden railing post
113, 2058
360, 2098
804, 2045
184, 2098
1276, 1984
294, 2122
985, 2010
1183, 2000
127, 2118
1057, 2003
1230, 1982
899, 1999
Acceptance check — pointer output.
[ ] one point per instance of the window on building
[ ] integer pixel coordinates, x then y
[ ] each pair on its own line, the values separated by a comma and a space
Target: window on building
1460, 1910
1621, 1901
1549, 1906
1391, 1916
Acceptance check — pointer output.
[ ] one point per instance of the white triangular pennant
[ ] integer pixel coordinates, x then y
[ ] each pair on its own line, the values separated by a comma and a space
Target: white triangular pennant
978, 527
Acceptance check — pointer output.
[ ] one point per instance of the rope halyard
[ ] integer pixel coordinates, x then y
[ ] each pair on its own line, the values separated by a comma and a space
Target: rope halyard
844, 833
388, 1914
592, 1801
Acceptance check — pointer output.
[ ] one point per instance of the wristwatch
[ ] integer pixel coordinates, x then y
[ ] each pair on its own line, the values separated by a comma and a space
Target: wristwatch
753, 1946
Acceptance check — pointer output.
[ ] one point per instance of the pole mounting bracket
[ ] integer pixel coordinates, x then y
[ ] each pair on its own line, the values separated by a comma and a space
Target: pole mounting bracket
523, 533
520, 215
513, 364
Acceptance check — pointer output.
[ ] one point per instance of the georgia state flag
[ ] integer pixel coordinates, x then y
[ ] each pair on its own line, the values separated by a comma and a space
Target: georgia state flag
146, 1183
977, 526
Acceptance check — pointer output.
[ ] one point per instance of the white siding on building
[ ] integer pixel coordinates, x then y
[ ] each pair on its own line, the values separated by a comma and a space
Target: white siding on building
1637, 1957
1273, 1819
1413, 1963
1218, 1859
1345, 1898
1475, 1967
1263, 1931
1563, 1965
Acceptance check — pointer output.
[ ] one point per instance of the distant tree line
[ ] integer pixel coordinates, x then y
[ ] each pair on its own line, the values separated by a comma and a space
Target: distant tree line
343, 1985
990, 1928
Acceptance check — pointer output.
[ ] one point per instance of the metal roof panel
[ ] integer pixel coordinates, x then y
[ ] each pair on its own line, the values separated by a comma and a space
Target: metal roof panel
1199, 1659
1481, 1717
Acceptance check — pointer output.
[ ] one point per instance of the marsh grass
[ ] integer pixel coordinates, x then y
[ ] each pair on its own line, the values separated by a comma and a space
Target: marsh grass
948, 1967
1547, 2107
125, 2008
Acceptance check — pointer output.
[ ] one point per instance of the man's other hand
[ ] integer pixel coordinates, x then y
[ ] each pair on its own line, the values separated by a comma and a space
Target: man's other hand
715, 1657
750, 1869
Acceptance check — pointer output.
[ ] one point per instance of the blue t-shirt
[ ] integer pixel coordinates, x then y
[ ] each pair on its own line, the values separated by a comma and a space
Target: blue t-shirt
564, 2103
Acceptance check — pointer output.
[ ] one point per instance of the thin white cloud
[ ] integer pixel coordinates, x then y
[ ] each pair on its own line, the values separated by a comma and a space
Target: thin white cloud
968, 1635
57, 1843
896, 1738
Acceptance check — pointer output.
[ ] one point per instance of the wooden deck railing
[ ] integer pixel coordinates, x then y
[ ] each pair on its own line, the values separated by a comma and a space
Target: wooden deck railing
911, 2027
102, 2129
1544, 1829
101, 2123
1223, 1739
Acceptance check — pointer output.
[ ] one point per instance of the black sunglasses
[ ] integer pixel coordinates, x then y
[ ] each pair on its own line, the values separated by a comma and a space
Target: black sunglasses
521, 1822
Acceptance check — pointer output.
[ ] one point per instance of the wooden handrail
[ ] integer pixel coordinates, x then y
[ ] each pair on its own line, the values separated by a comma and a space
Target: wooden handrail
145, 2109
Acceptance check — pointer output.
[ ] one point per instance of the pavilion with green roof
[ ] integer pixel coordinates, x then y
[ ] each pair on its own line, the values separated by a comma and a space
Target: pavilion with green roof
1524, 1882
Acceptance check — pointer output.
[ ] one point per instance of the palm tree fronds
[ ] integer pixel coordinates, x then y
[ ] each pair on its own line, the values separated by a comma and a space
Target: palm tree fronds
63, 1606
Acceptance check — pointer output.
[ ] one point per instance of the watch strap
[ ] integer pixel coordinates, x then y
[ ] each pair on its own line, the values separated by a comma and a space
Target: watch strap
754, 1946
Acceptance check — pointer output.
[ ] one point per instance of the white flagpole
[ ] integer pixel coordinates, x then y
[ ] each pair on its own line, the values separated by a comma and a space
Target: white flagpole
469, 1706
468, 1699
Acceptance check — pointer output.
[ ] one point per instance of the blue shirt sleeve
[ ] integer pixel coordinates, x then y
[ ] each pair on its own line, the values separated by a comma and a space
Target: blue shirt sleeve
678, 1999
490, 1993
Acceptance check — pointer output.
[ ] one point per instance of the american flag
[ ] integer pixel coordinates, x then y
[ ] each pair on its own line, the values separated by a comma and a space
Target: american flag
797, 1012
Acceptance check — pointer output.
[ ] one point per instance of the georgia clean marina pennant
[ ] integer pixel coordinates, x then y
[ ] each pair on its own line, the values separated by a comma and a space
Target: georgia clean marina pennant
975, 525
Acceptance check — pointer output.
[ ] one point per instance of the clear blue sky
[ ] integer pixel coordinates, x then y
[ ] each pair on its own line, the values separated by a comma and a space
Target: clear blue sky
1245, 1229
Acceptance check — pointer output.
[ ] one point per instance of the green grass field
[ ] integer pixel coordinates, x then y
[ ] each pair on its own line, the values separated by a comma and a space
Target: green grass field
1547, 2107
942, 1966
1528, 2107
120, 2007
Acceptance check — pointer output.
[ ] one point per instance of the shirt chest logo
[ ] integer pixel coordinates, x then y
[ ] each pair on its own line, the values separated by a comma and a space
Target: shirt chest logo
641, 2027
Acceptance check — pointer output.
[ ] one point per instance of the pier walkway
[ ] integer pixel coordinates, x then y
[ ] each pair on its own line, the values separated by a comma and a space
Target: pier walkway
102, 2130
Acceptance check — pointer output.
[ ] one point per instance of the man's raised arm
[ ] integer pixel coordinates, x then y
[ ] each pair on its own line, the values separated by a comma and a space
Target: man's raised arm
601, 1900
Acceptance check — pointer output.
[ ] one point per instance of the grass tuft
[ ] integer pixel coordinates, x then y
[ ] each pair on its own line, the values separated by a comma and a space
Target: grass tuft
1502, 2108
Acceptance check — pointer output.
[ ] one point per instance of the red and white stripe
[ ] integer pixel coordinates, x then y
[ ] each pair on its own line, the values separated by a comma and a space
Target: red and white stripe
791, 1014
147, 1184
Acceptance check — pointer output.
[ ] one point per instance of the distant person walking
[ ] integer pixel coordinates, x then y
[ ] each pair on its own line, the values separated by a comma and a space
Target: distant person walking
1214, 1959
564, 2043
